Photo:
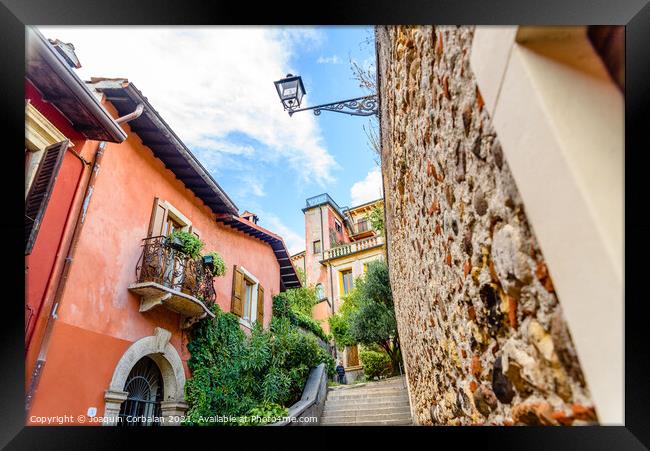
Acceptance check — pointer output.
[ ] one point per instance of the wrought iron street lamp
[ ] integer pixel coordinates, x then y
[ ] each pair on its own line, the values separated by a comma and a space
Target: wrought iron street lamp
291, 90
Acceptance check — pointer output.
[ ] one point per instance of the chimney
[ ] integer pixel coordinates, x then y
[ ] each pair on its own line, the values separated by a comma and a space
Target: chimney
66, 50
247, 215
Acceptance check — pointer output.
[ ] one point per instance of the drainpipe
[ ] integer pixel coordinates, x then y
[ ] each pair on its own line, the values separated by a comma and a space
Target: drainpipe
72, 248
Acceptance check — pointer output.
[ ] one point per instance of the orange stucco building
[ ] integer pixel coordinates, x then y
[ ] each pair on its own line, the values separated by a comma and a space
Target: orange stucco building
108, 299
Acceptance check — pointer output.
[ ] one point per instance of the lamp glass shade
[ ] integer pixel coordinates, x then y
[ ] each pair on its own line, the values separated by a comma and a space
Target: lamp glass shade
290, 90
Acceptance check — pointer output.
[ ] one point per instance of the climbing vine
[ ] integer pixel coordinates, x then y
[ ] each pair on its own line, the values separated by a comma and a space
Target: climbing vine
235, 375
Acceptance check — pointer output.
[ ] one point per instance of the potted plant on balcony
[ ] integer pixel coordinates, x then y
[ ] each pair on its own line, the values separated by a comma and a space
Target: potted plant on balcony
175, 243
186, 242
189, 248
215, 264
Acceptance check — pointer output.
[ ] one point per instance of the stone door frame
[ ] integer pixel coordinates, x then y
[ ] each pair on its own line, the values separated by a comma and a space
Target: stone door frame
159, 349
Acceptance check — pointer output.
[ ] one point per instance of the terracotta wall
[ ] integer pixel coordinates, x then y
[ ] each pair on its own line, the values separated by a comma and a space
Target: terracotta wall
43, 264
98, 317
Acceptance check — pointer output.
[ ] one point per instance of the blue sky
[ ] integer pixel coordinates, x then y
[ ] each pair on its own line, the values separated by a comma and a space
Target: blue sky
214, 86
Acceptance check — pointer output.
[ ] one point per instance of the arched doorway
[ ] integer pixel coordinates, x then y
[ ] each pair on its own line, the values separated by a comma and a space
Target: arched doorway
159, 368
144, 386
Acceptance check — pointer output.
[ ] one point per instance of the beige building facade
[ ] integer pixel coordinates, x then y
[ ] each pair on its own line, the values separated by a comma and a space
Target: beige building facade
340, 242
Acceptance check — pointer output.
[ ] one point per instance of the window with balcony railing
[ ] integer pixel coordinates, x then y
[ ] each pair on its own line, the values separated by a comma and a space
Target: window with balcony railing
168, 277
162, 263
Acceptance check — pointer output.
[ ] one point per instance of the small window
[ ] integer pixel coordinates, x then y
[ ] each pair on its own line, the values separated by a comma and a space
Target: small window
171, 225
363, 226
320, 293
317, 247
337, 224
248, 299
346, 281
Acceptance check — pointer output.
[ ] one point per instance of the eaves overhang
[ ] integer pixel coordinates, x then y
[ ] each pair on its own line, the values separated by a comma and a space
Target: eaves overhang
156, 134
288, 275
59, 85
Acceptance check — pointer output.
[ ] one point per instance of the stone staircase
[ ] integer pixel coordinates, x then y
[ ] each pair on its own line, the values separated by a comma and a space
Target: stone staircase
383, 403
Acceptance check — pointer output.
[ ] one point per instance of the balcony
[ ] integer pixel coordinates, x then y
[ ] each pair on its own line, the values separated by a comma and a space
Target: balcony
354, 247
168, 278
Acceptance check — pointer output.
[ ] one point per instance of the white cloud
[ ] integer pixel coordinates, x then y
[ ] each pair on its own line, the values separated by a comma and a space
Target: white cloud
211, 82
294, 241
368, 189
334, 59
223, 146
251, 183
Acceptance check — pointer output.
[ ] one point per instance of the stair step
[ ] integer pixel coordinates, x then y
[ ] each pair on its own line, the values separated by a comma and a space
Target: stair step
374, 391
363, 397
365, 412
397, 383
358, 422
365, 404
369, 415
367, 407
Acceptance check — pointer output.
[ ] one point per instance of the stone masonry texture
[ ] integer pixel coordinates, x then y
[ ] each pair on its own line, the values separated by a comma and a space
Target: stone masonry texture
483, 336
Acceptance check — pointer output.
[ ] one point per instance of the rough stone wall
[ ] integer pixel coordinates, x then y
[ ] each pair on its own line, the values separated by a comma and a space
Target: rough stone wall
483, 336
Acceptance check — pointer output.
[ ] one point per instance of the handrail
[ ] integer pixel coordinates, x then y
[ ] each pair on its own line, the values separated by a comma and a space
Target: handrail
161, 263
353, 247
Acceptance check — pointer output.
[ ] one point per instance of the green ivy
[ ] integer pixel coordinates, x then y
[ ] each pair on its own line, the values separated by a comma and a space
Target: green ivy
218, 265
265, 413
301, 300
233, 374
282, 307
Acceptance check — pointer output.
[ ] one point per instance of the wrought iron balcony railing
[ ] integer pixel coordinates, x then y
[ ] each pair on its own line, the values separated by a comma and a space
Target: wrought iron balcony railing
353, 247
166, 276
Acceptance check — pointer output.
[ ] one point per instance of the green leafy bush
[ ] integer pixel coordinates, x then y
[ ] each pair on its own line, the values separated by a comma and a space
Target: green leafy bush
282, 308
375, 364
376, 219
340, 322
265, 413
191, 244
218, 265
301, 300
367, 315
233, 373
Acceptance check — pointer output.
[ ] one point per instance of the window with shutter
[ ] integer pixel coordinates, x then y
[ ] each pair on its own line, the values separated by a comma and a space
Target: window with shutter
237, 302
352, 355
158, 218
41, 191
260, 305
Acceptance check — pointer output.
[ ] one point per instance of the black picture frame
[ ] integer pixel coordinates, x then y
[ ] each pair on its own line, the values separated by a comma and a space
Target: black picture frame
634, 14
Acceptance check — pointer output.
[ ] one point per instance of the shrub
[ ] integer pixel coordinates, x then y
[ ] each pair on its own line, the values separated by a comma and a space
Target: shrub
264, 413
232, 373
367, 315
218, 265
191, 244
301, 300
376, 219
282, 309
375, 364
